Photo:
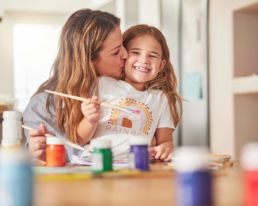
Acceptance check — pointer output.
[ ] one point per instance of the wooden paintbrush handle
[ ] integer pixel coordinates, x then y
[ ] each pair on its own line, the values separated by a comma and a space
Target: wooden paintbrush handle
66, 95
103, 104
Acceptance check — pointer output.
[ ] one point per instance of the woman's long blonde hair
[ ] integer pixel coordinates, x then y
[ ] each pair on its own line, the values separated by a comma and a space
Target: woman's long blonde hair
73, 71
166, 79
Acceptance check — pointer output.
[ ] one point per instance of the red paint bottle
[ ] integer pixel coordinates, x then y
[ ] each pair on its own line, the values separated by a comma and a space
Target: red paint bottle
250, 166
55, 153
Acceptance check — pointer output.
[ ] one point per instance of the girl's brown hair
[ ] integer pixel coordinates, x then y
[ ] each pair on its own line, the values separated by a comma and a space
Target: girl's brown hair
166, 79
73, 71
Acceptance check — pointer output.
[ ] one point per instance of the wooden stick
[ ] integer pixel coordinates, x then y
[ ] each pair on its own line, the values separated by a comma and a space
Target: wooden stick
66, 95
66, 142
103, 104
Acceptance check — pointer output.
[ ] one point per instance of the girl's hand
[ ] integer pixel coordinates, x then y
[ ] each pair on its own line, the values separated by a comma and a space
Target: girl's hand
38, 142
162, 152
90, 109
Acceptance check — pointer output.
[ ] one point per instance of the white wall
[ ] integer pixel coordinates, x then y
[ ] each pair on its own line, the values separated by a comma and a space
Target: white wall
32, 11
221, 74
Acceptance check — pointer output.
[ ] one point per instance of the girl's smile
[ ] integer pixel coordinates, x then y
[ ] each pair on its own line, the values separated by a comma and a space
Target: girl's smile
142, 69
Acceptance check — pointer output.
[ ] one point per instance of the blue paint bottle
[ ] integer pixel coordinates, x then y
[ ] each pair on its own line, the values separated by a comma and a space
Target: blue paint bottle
194, 180
16, 179
139, 154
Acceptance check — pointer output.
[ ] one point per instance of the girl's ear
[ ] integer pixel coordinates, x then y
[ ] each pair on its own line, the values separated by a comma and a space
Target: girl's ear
162, 64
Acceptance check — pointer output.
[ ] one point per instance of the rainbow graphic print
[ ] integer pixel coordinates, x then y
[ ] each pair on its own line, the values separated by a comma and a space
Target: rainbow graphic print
139, 121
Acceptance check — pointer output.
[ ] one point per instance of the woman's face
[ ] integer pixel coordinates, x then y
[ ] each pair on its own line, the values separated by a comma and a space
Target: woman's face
111, 58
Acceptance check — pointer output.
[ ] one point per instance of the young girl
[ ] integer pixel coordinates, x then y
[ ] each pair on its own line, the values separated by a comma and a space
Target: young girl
149, 85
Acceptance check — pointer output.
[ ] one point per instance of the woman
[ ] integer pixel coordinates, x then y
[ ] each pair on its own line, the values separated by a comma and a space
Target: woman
90, 45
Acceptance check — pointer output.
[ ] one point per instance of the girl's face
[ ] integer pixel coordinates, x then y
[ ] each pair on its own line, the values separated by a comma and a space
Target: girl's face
144, 61
112, 55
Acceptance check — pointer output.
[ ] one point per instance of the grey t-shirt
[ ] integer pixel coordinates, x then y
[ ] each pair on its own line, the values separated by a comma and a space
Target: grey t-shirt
36, 113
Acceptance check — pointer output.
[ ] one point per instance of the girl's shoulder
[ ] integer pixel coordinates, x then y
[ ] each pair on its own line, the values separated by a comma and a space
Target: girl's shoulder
107, 80
104, 82
159, 96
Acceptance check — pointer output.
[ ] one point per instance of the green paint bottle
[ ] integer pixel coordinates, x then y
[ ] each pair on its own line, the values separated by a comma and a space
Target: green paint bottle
101, 157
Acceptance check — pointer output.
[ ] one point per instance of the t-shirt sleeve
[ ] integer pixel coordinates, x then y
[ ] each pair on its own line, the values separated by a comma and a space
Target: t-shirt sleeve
35, 114
165, 120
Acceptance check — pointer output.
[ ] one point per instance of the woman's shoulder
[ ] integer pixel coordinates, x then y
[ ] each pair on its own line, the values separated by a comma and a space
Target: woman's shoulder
39, 98
37, 104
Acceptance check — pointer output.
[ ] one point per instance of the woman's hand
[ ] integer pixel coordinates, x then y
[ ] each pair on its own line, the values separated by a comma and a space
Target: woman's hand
90, 109
38, 142
163, 151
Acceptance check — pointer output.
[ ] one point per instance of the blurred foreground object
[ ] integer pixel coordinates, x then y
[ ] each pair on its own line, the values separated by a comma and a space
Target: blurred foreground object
12, 131
249, 160
194, 180
16, 179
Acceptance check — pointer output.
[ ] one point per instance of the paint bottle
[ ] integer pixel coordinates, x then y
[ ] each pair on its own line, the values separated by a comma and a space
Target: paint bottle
55, 152
12, 131
139, 154
194, 180
249, 160
16, 179
101, 157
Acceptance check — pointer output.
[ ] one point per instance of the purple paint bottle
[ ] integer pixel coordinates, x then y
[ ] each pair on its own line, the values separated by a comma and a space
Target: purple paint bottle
139, 154
194, 180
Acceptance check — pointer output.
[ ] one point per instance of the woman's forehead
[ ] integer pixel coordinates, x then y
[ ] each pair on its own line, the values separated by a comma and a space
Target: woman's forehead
113, 40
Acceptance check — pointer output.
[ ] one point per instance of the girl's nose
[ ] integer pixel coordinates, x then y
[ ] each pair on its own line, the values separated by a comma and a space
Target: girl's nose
143, 59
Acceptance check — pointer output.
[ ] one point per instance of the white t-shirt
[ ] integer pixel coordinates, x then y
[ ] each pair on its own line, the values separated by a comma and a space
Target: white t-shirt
118, 126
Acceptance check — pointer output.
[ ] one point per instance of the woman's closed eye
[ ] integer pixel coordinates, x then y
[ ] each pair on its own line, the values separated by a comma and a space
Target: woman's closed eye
117, 52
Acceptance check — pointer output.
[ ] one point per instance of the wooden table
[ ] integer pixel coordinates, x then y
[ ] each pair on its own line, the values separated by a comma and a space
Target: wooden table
143, 190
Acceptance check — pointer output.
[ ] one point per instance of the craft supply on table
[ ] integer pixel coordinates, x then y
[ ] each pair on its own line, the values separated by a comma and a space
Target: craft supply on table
103, 104
101, 156
66, 142
117, 163
16, 179
69, 172
55, 152
249, 160
12, 132
216, 161
139, 154
194, 180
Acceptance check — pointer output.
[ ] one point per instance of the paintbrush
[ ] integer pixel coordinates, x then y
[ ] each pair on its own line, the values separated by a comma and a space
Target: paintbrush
66, 142
103, 104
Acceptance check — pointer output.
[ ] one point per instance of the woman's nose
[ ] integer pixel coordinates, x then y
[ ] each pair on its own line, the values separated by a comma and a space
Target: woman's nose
124, 53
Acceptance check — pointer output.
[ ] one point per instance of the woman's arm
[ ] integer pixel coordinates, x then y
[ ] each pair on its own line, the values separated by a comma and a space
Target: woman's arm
165, 146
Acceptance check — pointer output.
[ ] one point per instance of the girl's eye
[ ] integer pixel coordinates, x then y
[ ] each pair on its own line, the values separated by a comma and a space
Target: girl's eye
135, 52
117, 52
153, 56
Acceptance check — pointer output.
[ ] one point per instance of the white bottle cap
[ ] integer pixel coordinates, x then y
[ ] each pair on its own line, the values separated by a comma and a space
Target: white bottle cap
11, 142
139, 140
12, 115
249, 156
55, 141
100, 144
190, 159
